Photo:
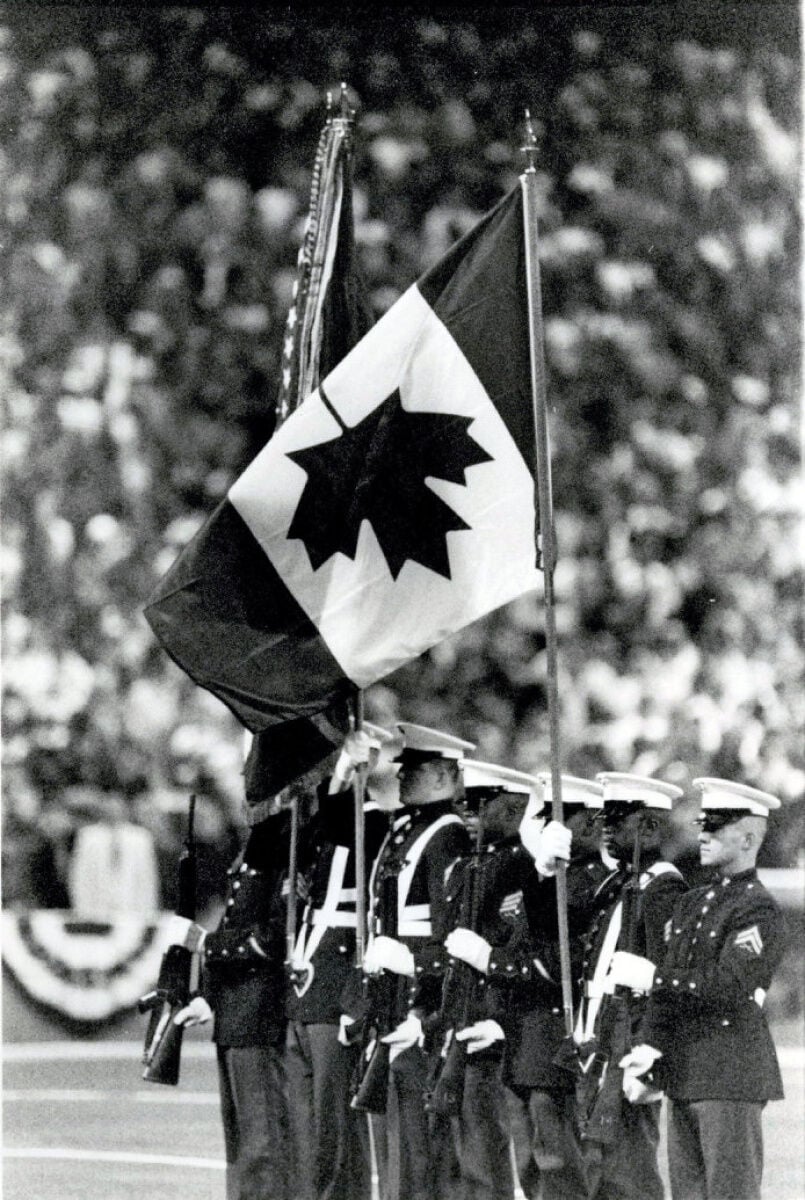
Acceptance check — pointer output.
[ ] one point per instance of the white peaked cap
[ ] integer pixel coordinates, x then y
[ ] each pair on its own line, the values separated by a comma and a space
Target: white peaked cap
490, 775
378, 736
433, 742
574, 790
638, 789
721, 794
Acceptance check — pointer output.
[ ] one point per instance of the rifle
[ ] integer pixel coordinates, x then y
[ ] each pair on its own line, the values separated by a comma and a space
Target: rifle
599, 1094
445, 1090
163, 1038
370, 1083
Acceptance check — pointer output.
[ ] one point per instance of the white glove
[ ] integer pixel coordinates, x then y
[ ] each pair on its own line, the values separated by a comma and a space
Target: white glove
635, 1064
639, 1060
344, 1023
406, 1035
197, 1012
638, 1092
182, 932
554, 844
470, 948
480, 1036
355, 752
387, 954
532, 825
631, 971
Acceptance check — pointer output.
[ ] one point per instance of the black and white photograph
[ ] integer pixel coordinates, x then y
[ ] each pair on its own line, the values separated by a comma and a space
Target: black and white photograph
401, 601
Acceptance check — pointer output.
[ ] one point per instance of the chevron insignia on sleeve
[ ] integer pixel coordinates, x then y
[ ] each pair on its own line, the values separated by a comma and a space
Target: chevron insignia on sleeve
510, 904
749, 939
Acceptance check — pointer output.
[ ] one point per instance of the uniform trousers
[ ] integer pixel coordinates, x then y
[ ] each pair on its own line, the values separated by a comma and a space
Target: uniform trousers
626, 1168
543, 1126
330, 1139
254, 1113
422, 1162
715, 1149
481, 1134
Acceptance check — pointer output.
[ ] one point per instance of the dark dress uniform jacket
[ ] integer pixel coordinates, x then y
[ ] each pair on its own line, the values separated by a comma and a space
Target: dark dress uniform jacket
327, 927
725, 941
498, 880
243, 978
421, 848
527, 965
657, 892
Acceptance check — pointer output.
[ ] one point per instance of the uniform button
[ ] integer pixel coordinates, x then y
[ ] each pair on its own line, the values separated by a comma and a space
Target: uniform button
554, 1010
709, 895
725, 1023
677, 931
230, 901
253, 871
706, 908
398, 839
658, 979
749, 887
438, 962
241, 949
509, 967
236, 885
698, 924
492, 966
243, 867
692, 985
224, 954
342, 949
724, 882
525, 970
675, 982
693, 941
712, 933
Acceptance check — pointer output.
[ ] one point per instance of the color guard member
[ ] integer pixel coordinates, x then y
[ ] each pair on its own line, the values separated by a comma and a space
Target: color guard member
705, 1026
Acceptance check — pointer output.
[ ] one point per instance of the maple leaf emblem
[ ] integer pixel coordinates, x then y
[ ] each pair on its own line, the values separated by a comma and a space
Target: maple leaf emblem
375, 471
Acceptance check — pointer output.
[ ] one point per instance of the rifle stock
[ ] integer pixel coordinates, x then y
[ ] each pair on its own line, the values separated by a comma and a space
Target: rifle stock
598, 1090
599, 1093
163, 1038
445, 1091
372, 1088
370, 1083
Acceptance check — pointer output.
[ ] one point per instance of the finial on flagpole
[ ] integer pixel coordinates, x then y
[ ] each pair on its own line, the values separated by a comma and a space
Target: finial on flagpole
347, 111
530, 147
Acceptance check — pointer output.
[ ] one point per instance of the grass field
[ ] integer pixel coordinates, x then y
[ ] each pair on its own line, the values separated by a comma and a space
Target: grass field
79, 1124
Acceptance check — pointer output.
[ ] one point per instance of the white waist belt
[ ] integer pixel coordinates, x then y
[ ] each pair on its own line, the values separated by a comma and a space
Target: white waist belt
335, 920
414, 928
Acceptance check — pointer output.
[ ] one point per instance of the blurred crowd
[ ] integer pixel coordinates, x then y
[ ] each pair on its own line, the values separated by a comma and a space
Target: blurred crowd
157, 185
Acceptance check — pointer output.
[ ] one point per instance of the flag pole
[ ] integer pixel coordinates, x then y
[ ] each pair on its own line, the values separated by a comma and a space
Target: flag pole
528, 183
359, 793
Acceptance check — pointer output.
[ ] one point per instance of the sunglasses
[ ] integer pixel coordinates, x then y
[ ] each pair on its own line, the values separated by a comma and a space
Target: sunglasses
711, 822
615, 812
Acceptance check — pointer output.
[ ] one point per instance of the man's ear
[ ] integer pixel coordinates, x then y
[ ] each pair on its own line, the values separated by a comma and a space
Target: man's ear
650, 823
442, 771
